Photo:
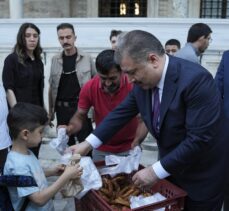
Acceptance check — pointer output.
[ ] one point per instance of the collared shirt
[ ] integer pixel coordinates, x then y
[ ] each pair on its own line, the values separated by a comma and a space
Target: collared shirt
5, 140
189, 52
93, 95
157, 167
26, 80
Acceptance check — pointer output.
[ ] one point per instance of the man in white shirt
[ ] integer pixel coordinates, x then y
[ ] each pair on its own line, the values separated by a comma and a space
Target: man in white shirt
5, 140
180, 105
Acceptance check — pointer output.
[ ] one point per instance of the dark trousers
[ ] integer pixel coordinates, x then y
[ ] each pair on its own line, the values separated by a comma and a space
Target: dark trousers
64, 114
213, 204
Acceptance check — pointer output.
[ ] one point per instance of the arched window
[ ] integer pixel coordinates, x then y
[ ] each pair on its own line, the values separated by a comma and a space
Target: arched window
214, 9
122, 8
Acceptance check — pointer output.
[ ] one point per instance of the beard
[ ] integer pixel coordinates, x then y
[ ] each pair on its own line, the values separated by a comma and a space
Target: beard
111, 89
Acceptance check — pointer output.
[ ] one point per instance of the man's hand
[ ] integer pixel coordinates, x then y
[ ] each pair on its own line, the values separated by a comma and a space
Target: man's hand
82, 148
145, 177
67, 127
51, 117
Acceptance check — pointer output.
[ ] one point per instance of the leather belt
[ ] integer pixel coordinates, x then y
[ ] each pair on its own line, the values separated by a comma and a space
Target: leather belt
66, 104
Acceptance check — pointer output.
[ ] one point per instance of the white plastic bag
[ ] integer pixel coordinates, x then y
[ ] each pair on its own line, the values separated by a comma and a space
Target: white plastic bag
125, 164
90, 178
138, 201
73, 186
61, 142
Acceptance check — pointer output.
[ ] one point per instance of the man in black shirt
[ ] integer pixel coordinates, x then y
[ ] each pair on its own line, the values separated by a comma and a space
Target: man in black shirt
70, 70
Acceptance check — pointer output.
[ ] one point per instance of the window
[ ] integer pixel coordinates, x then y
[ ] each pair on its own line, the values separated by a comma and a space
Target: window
214, 9
122, 8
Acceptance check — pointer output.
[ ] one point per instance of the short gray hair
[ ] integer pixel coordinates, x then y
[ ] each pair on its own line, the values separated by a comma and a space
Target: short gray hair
137, 44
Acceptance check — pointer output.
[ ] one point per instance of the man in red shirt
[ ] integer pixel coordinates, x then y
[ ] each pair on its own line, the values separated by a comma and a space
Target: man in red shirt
104, 92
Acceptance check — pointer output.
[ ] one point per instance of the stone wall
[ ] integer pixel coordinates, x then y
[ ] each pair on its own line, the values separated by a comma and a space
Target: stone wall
89, 8
4, 8
78, 8
46, 9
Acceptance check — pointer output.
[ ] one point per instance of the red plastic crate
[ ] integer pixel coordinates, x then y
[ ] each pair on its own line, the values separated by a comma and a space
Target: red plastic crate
174, 201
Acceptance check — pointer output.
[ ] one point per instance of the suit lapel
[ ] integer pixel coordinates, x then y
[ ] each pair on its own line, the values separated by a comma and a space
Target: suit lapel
169, 89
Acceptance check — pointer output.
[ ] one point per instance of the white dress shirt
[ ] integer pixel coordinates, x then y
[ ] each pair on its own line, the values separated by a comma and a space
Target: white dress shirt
157, 167
5, 140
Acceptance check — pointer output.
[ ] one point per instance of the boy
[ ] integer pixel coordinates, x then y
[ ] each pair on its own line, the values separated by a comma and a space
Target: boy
26, 123
113, 37
172, 46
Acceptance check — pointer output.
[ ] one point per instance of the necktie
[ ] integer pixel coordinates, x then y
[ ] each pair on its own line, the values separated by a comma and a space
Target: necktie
156, 113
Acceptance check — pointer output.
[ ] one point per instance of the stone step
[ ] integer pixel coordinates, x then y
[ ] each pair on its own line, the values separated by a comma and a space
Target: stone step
151, 146
149, 143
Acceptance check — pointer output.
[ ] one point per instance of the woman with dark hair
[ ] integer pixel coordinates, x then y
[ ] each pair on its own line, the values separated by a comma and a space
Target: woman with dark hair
23, 71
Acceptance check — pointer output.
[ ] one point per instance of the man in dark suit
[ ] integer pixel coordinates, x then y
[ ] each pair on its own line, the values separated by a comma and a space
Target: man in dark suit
186, 126
222, 82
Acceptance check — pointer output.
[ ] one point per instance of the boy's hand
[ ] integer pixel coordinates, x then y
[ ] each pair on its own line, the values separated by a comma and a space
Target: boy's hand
59, 169
73, 172
56, 171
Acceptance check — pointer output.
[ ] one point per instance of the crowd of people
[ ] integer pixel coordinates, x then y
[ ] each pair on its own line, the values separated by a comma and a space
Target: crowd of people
137, 86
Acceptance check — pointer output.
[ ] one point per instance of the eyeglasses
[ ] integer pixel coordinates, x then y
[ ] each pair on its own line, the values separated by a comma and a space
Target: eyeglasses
209, 39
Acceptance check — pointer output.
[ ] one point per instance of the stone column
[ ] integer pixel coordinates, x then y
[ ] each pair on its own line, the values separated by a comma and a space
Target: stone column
194, 9
92, 8
16, 8
179, 8
152, 8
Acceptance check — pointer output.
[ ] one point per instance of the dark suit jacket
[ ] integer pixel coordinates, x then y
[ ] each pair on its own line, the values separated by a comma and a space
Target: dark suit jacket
222, 81
189, 119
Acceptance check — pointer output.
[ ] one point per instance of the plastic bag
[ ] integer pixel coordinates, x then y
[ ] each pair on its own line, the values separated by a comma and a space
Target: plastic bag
74, 186
125, 164
90, 178
61, 142
138, 201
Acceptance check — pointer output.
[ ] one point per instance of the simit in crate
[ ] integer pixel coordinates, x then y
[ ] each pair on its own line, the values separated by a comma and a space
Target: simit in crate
113, 196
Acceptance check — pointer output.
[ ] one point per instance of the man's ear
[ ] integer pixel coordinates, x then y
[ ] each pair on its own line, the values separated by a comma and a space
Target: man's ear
152, 57
202, 38
24, 134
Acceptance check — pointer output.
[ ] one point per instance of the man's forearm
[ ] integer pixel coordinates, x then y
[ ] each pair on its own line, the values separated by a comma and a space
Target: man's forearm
51, 107
75, 124
141, 131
